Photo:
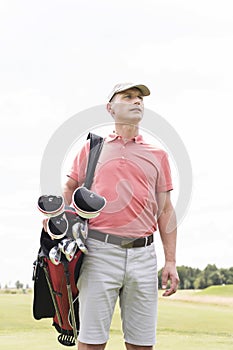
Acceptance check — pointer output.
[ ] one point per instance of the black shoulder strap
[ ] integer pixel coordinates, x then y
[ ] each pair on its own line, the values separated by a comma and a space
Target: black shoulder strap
96, 144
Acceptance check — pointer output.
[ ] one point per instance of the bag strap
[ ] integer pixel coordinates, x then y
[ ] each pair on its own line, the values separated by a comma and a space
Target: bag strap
96, 144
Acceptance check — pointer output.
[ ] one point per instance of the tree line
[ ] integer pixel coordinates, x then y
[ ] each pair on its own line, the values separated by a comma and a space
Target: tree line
193, 278
17, 285
190, 278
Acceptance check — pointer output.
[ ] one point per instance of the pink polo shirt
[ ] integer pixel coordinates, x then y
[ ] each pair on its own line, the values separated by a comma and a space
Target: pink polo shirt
128, 175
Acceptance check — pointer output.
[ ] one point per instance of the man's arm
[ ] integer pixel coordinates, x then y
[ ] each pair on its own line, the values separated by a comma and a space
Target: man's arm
68, 190
168, 233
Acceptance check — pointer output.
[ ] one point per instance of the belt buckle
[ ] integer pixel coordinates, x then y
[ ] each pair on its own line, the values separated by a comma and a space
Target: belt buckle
127, 243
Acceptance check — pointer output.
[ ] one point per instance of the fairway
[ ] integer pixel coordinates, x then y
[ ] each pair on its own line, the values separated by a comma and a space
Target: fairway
186, 322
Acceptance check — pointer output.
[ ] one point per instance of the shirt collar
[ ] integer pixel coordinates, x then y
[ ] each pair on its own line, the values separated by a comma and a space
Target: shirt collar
114, 136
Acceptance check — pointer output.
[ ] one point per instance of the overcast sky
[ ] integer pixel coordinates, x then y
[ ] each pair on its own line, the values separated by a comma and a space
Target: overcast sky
58, 58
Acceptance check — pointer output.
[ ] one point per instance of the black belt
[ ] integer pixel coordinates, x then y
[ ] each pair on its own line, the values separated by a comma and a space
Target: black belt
121, 241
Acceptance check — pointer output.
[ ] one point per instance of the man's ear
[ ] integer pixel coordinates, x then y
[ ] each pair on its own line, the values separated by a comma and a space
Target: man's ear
109, 108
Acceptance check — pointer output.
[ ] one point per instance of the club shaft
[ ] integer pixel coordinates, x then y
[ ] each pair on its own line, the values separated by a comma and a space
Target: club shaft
52, 296
70, 298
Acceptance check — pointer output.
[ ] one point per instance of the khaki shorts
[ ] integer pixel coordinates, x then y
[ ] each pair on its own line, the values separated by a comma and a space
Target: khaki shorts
109, 271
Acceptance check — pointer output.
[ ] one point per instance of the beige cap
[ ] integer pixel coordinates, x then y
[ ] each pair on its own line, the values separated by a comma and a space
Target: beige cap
125, 86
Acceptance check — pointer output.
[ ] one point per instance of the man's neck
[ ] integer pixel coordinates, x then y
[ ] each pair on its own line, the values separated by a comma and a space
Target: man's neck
126, 131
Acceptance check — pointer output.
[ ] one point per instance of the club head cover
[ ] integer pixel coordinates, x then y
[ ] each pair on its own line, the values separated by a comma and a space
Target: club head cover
57, 226
87, 203
51, 205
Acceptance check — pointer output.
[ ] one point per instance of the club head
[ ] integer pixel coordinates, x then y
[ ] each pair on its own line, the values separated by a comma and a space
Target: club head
68, 247
87, 204
80, 229
55, 255
81, 246
57, 226
84, 230
76, 230
51, 205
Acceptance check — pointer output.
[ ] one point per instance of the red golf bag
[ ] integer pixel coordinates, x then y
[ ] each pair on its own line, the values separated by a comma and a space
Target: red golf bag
55, 288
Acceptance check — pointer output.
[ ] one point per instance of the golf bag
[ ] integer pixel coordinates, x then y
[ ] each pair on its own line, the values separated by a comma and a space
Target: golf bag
55, 280
62, 247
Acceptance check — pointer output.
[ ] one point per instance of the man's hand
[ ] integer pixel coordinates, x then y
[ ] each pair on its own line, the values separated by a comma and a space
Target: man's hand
169, 273
45, 221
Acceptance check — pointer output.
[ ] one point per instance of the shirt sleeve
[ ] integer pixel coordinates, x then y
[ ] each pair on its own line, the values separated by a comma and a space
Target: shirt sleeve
164, 180
78, 168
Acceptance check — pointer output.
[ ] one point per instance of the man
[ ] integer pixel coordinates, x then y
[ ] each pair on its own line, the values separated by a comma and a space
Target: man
134, 177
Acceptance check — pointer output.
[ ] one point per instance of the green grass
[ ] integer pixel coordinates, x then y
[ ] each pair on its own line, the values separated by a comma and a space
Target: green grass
191, 325
225, 291
185, 324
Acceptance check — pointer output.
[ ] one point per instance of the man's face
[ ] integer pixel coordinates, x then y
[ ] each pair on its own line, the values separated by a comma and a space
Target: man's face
127, 106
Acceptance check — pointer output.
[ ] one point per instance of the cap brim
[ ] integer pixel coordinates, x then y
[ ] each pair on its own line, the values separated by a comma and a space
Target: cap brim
143, 88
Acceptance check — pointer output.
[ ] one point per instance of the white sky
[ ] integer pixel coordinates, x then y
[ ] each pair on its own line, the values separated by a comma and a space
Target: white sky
58, 58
